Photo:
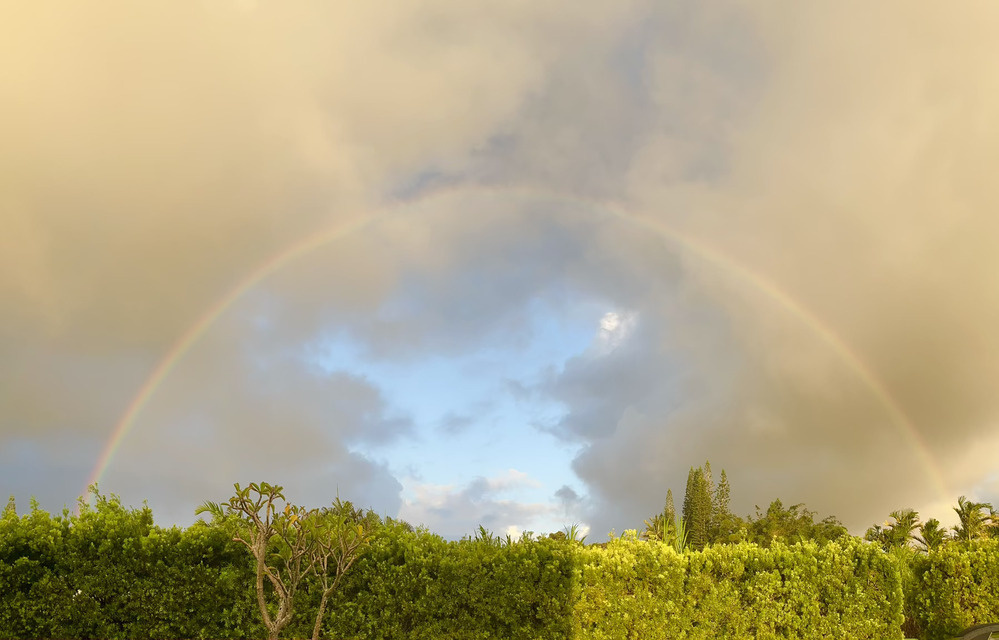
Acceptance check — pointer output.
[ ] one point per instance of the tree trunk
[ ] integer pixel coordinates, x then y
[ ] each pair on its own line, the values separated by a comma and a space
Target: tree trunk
272, 629
319, 615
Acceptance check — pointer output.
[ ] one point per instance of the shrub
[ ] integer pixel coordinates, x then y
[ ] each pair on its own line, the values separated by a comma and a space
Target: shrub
634, 589
417, 585
955, 587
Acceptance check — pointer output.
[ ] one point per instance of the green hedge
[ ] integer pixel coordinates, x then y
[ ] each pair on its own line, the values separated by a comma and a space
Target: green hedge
636, 589
417, 585
953, 588
111, 573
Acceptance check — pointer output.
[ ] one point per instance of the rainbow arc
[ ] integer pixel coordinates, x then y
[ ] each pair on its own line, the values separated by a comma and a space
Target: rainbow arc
739, 273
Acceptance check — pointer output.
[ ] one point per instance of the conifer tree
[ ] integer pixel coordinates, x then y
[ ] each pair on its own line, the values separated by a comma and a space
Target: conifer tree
688, 498
720, 514
697, 508
708, 480
670, 511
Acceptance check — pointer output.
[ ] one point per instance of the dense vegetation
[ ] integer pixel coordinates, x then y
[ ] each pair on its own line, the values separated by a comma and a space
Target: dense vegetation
706, 519
110, 572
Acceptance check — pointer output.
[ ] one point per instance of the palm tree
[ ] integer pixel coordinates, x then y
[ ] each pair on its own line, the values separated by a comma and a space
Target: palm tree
658, 528
879, 535
897, 534
974, 524
931, 536
906, 522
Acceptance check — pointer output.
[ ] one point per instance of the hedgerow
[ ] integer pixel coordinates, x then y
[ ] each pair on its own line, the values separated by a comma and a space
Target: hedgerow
954, 587
636, 589
110, 572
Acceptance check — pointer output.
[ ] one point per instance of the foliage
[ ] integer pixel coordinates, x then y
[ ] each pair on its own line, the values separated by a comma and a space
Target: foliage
673, 532
340, 534
897, 534
954, 587
931, 536
697, 507
725, 526
109, 572
792, 524
574, 533
291, 545
679, 539
974, 523
669, 511
417, 585
705, 512
658, 528
279, 542
648, 591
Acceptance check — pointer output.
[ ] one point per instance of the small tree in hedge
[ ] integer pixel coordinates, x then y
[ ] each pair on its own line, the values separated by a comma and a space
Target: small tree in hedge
279, 541
341, 534
792, 524
292, 543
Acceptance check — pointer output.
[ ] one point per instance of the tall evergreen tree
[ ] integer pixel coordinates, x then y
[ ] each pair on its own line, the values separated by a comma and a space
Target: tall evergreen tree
697, 508
670, 511
688, 498
722, 495
721, 516
708, 480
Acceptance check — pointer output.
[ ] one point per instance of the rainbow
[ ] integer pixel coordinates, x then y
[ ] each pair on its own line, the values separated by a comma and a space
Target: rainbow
738, 272
194, 333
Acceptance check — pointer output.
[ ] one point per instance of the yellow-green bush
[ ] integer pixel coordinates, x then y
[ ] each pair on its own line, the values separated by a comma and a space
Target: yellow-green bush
955, 587
641, 590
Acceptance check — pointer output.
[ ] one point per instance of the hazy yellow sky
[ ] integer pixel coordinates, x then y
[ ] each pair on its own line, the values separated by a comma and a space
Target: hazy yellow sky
839, 155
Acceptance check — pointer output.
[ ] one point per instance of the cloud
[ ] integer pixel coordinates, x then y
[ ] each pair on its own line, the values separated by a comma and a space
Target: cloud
832, 172
241, 410
854, 187
453, 423
614, 330
569, 500
148, 140
157, 154
455, 512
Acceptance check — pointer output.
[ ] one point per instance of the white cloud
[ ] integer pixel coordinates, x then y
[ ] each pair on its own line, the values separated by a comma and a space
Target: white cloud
457, 511
615, 328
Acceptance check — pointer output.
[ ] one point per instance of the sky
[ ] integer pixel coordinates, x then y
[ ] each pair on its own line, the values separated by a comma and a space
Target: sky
518, 264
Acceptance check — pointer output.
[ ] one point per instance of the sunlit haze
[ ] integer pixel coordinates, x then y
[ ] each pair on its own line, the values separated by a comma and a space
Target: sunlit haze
513, 264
